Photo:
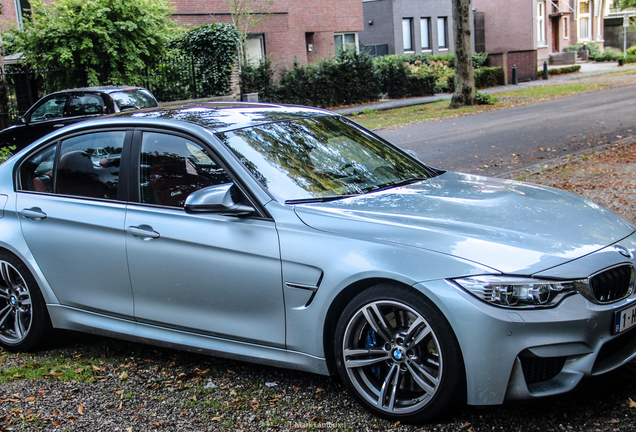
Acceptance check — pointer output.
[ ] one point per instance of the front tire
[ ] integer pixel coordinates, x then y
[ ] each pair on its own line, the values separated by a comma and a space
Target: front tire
24, 320
397, 354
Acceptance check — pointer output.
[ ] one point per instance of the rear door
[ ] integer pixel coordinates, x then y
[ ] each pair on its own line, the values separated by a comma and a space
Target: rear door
73, 219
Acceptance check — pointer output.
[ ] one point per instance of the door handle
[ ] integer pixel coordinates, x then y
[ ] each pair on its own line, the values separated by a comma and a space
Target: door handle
143, 232
34, 213
59, 125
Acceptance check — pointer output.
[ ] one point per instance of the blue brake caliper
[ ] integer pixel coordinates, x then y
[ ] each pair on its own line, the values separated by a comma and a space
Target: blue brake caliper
372, 343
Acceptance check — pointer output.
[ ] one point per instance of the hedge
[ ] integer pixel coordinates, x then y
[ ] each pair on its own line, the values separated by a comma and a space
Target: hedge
560, 71
628, 59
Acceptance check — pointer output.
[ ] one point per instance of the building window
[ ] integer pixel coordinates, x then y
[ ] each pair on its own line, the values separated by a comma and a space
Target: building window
541, 23
407, 34
254, 49
566, 34
425, 31
22, 9
584, 20
442, 32
345, 41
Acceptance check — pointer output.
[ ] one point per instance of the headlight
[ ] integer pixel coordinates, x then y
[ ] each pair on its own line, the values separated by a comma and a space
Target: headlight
516, 292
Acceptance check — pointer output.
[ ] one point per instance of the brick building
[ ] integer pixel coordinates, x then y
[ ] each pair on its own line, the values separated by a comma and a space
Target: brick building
288, 31
407, 26
545, 27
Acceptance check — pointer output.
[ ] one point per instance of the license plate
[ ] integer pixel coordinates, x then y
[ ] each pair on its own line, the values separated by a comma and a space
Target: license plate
625, 319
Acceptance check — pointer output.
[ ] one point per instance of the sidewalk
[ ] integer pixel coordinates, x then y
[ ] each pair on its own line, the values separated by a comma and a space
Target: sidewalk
587, 70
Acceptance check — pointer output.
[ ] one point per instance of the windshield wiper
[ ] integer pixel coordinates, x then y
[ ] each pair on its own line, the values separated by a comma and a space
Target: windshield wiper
394, 184
319, 199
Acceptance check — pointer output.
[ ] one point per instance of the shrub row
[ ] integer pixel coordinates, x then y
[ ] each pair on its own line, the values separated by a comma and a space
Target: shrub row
560, 71
358, 78
484, 77
628, 59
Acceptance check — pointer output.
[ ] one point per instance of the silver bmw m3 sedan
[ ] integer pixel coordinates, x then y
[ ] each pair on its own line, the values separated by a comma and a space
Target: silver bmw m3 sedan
293, 237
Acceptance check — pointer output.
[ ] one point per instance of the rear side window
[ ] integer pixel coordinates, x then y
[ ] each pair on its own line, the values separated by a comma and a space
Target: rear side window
87, 166
87, 104
134, 99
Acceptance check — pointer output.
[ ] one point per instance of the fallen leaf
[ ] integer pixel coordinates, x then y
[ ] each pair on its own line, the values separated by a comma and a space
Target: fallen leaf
632, 404
464, 426
216, 419
80, 409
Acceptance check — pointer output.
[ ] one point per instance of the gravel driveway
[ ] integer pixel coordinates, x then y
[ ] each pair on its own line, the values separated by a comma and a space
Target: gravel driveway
88, 383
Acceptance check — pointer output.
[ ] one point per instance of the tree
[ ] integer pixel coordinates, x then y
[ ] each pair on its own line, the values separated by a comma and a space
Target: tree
95, 41
464, 72
246, 14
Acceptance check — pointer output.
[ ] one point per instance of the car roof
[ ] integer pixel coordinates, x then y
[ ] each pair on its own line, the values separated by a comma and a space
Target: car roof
98, 89
226, 116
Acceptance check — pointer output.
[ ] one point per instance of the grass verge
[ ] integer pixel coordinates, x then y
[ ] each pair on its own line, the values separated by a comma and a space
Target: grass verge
437, 110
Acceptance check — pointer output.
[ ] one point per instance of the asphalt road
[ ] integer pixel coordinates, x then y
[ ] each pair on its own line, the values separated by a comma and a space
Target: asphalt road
501, 141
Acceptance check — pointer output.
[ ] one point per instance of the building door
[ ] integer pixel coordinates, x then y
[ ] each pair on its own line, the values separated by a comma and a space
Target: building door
555, 34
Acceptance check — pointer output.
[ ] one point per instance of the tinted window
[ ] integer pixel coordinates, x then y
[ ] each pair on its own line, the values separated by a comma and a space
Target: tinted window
134, 99
89, 165
36, 173
50, 108
173, 167
88, 104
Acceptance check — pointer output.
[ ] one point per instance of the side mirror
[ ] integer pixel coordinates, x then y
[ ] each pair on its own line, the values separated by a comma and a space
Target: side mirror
216, 199
23, 120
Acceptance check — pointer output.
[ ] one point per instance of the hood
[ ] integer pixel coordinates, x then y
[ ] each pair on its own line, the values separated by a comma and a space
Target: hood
509, 226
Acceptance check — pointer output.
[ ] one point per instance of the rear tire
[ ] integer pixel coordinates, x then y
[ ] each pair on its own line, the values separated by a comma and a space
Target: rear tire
24, 319
398, 355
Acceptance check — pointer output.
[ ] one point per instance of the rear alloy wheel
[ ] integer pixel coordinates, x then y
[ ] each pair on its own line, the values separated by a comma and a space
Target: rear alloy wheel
23, 316
397, 354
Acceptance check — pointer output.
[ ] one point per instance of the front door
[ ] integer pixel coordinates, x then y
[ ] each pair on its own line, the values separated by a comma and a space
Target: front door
206, 273
555, 34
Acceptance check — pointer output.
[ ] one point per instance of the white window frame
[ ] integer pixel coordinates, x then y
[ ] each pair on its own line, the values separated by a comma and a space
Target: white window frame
541, 31
407, 35
425, 33
585, 22
442, 33
343, 34
254, 60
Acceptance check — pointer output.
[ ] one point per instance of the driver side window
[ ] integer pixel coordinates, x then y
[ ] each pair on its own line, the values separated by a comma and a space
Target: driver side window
51, 108
172, 167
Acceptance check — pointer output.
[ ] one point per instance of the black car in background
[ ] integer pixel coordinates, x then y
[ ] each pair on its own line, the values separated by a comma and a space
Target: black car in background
65, 107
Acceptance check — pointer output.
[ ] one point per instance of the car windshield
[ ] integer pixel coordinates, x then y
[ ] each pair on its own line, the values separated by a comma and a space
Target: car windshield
133, 99
319, 159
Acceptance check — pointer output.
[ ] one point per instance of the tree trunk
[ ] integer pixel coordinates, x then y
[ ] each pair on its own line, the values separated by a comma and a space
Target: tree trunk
464, 73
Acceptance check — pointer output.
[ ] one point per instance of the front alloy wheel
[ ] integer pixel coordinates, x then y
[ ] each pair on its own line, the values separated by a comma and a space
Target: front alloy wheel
397, 355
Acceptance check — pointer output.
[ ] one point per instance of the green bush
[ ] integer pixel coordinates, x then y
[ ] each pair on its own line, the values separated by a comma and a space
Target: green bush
399, 78
349, 79
628, 59
488, 77
607, 57
560, 71
484, 77
591, 46
485, 99
631, 50
479, 59
258, 79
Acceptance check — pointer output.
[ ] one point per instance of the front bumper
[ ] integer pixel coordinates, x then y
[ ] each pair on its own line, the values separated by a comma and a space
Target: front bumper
521, 354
